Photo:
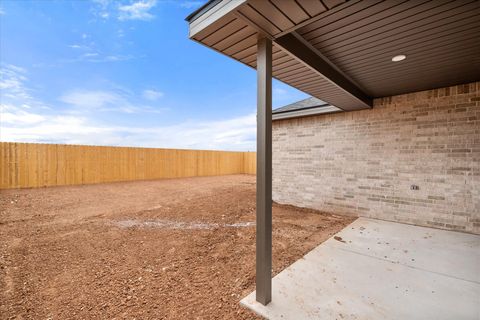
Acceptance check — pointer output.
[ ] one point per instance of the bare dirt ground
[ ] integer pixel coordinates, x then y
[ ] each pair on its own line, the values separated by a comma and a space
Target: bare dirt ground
168, 249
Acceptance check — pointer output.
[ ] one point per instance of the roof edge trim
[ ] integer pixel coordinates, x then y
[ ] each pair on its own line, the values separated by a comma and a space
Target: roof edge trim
211, 12
204, 8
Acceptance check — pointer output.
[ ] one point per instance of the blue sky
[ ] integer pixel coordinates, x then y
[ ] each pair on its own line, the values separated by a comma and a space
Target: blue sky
121, 73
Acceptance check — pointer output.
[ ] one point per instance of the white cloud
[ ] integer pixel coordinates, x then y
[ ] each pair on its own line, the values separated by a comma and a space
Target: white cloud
90, 54
96, 57
79, 46
50, 129
137, 10
91, 99
2, 12
82, 101
152, 95
10, 114
191, 4
114, 58
229, 134
13, 89
12, 78
101, 9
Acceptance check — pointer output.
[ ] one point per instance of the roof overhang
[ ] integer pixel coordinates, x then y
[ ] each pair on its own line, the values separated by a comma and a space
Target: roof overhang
341, 51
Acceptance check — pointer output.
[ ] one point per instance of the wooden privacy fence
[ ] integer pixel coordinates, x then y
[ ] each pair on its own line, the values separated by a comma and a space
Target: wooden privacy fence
250, 162
29, 165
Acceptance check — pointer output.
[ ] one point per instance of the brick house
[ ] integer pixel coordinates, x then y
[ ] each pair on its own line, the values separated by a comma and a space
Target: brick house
412, 158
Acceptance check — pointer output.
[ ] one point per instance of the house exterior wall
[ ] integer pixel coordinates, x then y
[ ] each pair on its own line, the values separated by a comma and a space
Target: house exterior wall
364, 162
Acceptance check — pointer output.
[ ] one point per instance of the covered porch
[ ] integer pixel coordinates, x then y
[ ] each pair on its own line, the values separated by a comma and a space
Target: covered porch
350, 54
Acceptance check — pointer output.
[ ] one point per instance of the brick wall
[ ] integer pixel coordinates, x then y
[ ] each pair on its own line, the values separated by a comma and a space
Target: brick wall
364, 162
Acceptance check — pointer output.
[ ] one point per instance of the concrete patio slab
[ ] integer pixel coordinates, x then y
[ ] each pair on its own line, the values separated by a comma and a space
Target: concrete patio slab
376, 269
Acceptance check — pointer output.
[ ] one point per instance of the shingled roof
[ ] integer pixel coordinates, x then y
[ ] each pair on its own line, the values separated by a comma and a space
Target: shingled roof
306, 107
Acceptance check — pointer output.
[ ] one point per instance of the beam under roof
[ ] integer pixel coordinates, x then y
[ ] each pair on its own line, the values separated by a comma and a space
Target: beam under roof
307, 55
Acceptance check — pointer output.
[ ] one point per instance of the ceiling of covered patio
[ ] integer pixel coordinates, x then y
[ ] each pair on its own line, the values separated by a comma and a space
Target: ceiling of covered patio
341, 51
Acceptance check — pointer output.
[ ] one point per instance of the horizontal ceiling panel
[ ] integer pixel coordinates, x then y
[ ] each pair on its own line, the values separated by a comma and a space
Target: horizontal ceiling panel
422, 42
454, 52
278, 16
436, 36
230, 27
331, 16
292, 9
390, 31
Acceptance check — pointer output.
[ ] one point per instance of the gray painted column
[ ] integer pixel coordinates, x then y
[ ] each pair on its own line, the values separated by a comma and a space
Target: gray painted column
264, 172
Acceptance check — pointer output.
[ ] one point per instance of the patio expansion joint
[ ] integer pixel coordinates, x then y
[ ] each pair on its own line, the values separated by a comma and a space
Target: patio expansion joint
409, 266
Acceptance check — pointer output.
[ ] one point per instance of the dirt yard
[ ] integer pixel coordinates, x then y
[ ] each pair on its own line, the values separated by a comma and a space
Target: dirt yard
168, 249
